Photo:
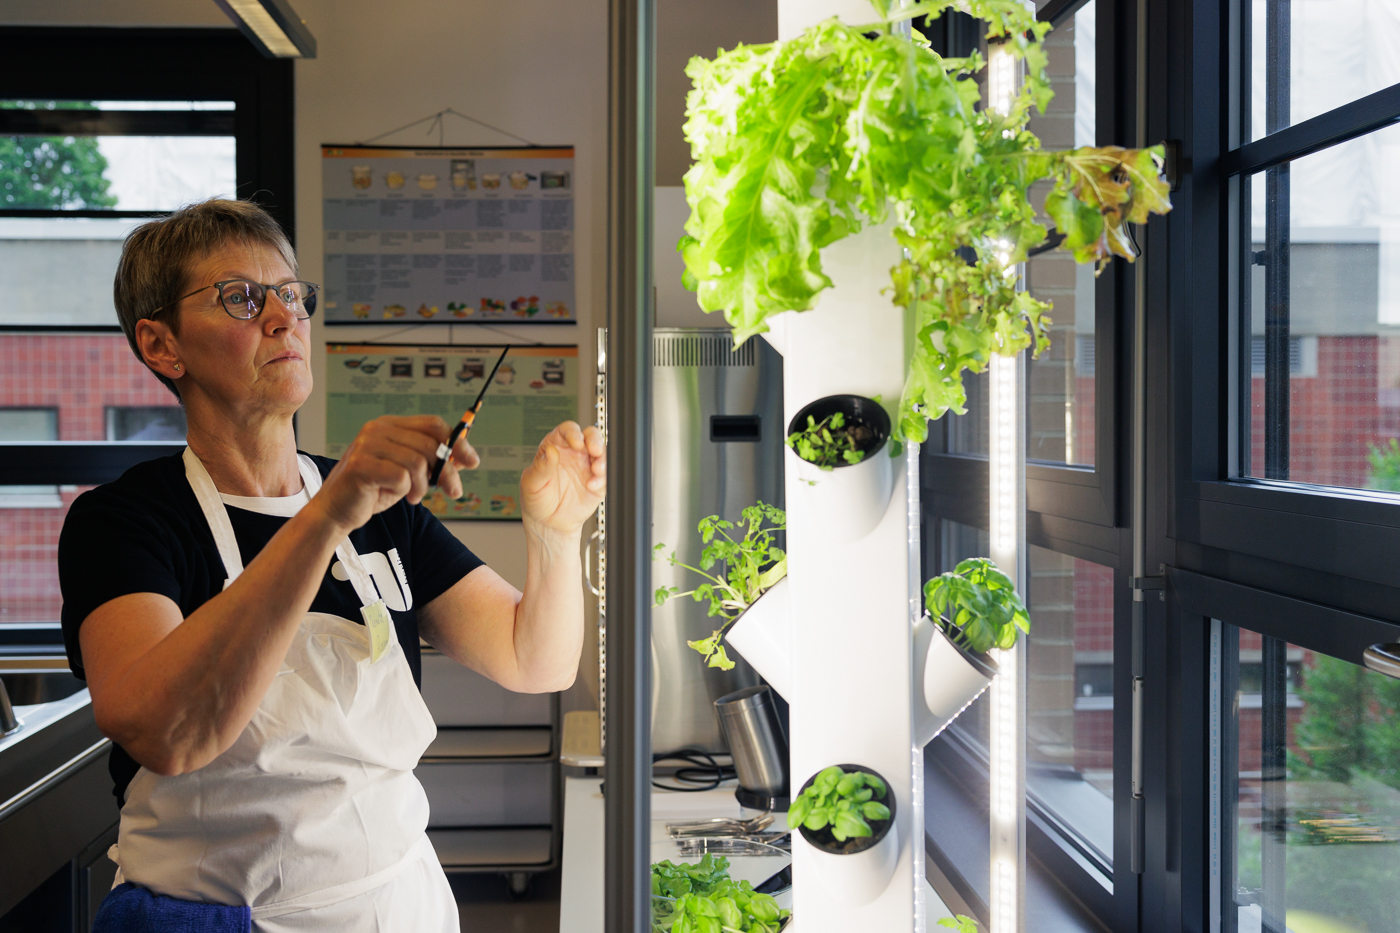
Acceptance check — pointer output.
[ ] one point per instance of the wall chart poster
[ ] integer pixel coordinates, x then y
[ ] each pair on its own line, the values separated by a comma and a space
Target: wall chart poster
448, 235
535, 389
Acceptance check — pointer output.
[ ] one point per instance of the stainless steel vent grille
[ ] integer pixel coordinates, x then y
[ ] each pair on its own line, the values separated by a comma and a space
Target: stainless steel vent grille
701, 350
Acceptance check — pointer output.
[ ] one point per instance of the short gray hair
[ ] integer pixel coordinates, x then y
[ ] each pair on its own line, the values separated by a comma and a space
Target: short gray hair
157, 257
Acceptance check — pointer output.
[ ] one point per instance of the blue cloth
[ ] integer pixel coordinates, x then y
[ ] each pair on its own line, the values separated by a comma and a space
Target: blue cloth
129, 908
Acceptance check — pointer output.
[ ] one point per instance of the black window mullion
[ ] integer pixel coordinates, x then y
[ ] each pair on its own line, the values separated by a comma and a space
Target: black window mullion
1368, 114
1277, 245
1273, 779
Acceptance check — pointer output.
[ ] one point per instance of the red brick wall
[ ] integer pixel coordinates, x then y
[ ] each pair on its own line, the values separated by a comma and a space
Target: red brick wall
80, 375
1334, 416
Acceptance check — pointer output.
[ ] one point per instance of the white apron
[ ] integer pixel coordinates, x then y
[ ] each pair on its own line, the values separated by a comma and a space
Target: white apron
313, 817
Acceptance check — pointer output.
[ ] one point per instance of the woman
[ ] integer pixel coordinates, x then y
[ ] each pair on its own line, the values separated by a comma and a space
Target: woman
257, 681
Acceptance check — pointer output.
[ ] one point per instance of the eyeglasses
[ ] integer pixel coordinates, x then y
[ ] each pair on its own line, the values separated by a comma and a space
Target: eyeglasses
244, 300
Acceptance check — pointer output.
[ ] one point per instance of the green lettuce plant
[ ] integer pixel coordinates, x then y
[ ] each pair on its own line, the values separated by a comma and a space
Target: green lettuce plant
752, 564
842, 801
828, 443
707, 900
798, 144
976, 606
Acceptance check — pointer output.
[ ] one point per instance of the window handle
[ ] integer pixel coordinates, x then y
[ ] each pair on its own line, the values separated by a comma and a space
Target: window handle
1384, 659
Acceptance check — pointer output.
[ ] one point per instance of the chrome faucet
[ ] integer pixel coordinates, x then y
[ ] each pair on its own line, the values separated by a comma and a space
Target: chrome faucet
8, 722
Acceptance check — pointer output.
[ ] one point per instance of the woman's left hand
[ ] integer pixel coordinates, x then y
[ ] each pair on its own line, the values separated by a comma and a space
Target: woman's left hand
561, 489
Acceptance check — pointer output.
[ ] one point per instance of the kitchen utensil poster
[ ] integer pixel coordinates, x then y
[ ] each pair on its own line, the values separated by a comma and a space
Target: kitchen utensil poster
535, 389
448, 235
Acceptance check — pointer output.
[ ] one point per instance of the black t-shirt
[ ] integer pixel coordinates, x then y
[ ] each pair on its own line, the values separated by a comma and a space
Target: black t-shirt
145, 533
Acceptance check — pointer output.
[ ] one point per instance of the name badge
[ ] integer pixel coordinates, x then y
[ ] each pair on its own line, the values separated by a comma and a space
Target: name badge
381, 628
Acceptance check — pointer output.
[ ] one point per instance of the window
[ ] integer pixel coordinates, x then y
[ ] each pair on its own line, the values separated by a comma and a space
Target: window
1060, 413
29, 424
145, 423
88, 152
1069, 698
1310, 795
1319, 244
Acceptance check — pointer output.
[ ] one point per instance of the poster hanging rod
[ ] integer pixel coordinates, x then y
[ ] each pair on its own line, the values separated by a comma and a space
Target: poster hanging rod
438, 123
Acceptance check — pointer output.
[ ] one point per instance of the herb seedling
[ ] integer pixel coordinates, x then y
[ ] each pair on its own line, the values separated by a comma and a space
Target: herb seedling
842, 801
707, 900
800, 143
831, 441
752, 564
976, 606
962, 923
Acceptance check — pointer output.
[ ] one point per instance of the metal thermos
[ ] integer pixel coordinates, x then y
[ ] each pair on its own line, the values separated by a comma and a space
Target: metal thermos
749, 719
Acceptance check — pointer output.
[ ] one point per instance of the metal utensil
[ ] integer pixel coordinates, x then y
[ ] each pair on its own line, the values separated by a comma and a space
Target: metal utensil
720, 826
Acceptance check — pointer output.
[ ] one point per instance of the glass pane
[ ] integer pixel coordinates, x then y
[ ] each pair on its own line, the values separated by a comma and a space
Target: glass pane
1315, 790
70, 380
129, 173
1310, 56
967, 434
1060, 413
1324, 312
1069, 702
145, 423
59, 270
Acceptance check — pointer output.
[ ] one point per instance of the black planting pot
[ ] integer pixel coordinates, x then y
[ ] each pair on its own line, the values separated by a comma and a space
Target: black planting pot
824, 840
982, 663
858, 410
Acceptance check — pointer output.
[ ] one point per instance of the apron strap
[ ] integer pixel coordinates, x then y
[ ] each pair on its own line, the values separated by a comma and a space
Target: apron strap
216, 515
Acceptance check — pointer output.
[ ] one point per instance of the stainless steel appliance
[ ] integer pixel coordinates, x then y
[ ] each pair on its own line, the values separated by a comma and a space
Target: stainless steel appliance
716, 448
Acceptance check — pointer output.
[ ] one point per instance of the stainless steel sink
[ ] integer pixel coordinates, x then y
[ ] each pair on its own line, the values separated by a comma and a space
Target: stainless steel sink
30, 680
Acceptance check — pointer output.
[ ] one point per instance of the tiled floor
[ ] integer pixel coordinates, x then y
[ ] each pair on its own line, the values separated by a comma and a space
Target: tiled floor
487, 906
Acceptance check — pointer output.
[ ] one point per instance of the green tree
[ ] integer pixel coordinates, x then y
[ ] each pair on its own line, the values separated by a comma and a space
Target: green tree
1385, 466
62, 172
1349, 725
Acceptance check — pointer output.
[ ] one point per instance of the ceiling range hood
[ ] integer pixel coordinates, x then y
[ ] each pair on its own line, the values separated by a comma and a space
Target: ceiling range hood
273, 26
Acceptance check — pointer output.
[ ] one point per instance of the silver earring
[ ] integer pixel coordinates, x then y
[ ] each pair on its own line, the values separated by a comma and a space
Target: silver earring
177, 367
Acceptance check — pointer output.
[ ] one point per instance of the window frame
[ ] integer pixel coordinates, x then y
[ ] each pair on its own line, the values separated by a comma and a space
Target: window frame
136, 64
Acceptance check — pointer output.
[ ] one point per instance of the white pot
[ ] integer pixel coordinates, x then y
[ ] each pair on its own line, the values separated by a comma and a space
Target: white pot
763, 636
850, 499
946, 679
859, 878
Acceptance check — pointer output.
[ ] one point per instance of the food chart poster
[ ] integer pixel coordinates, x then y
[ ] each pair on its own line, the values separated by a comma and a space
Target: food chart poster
535, 389
448, 235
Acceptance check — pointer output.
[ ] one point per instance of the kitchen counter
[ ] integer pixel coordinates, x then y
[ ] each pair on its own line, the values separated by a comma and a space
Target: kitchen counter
581, 889
55, 793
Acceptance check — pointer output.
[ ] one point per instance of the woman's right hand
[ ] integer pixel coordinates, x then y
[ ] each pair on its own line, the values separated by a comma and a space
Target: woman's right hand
392, 458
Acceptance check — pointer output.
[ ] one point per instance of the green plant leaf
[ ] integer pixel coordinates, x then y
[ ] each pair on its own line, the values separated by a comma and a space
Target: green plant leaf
874, 810
800, 143
850, 824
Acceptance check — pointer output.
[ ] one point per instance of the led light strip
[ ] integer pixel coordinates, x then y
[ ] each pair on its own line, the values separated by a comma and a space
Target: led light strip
1007, 527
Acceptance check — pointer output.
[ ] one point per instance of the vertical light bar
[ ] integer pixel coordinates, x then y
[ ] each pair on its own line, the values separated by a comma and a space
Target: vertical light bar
1007, 520
1008, 727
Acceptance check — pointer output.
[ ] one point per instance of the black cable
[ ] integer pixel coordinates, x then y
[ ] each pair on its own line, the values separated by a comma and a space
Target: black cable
701, 771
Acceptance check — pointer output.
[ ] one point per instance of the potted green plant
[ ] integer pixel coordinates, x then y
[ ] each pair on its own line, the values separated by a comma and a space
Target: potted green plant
802, 143
972, 609
847, 813
837, 446
700, 897
748, 594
